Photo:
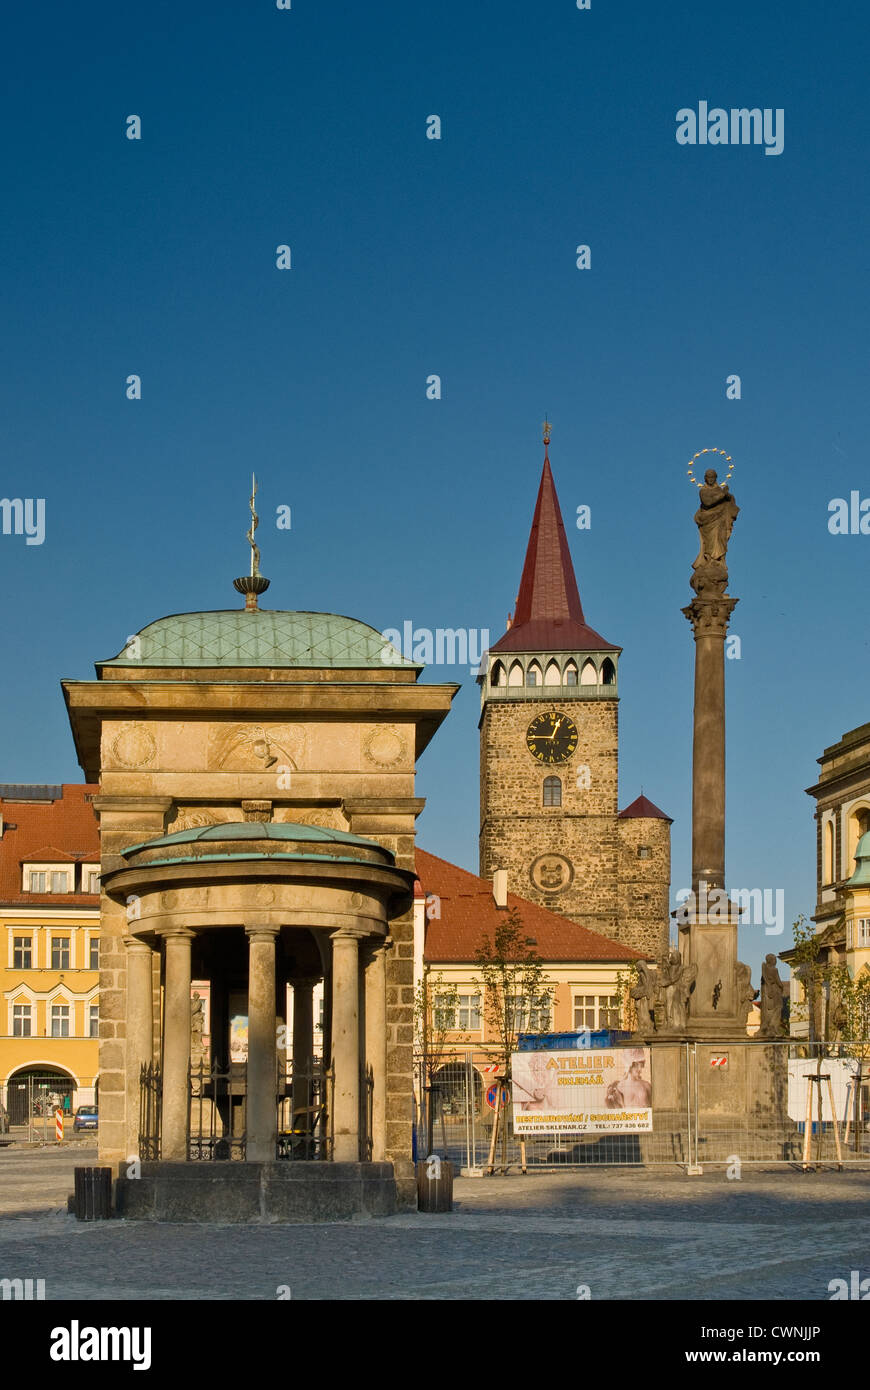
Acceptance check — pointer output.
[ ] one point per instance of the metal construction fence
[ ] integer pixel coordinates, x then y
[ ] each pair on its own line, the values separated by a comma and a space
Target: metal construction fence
31, 1098
752, 1102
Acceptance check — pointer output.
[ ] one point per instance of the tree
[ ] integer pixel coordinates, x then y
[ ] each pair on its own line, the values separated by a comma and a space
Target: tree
851, 1018
435, 1035
517, 999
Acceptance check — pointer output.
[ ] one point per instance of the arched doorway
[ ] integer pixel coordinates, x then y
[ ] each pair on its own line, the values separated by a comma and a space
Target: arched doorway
37, 1091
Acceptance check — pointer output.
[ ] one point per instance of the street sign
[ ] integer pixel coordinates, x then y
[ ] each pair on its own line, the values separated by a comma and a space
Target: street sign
491, 1094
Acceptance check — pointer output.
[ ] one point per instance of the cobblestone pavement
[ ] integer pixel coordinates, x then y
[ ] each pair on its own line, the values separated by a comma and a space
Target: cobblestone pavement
646, 1234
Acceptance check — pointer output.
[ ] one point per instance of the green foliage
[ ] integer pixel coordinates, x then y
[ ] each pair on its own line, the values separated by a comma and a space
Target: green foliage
625, 982
435, 1032
517, 996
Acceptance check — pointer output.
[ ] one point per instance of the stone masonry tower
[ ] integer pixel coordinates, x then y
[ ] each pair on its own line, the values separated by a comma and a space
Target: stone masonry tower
549, 758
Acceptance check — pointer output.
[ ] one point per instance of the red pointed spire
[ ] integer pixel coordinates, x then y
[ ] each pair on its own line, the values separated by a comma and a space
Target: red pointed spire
549, 614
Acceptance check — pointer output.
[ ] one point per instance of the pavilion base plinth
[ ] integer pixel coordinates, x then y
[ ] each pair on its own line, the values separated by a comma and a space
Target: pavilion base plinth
232, 1192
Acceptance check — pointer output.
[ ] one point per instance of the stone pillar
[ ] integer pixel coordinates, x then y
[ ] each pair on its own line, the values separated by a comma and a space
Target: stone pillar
140, 1031
709, 619
345, 1046
708, 930
262, 1113
303, 1046
176, 1043
376, 1040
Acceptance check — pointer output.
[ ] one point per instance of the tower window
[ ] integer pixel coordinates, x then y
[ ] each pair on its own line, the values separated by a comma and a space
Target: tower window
571, 674
644, 852
497, 677
608, 672
533, 675
552, 791
589, 675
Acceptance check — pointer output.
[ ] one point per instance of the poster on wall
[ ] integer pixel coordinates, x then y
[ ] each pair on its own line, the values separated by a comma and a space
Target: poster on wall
602, 1091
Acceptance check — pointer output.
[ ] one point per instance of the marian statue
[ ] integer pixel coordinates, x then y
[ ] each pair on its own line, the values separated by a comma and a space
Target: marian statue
714, 519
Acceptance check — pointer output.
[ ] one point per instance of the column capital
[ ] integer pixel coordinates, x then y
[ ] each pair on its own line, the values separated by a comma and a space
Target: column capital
134, 943
261, 930
710, 617
344, 935
178, 933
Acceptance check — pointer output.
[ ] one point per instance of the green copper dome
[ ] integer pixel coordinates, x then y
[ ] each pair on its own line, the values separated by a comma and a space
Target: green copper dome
861, 876
270, 638
257, 830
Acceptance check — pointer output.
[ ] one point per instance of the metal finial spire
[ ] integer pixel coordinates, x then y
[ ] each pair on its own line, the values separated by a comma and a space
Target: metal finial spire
255, 521
546, 432
253, 584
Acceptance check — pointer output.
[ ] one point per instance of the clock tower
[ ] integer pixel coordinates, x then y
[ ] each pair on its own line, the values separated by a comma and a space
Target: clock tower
549, 758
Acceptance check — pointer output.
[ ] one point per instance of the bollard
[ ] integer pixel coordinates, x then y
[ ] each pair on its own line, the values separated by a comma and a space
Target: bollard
434, 1184
93, 1194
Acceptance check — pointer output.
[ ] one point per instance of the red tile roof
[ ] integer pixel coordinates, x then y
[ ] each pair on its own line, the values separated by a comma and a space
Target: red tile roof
549, 615
644, 809
62, 830
468, 913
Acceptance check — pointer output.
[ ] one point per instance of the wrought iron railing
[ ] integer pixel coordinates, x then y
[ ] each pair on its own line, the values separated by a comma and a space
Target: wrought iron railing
217, 1112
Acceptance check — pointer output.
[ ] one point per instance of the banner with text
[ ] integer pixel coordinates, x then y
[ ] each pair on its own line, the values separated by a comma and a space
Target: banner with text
604, 1091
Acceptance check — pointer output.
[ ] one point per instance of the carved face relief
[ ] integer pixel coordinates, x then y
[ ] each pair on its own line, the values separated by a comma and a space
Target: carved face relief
258, 747
552, 873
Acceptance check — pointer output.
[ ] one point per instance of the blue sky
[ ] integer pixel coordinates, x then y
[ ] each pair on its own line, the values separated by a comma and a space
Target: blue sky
411, 256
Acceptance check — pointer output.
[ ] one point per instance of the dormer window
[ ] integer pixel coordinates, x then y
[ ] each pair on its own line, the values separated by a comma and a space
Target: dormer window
47, 878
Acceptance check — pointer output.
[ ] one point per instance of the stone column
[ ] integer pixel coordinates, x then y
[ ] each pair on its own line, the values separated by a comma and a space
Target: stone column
176, 1043
345, 1046
709, 619
262, 1114
708, 932
140, 1031
376, 1040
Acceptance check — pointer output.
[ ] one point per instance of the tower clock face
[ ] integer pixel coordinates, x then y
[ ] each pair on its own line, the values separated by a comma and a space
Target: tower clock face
552, 737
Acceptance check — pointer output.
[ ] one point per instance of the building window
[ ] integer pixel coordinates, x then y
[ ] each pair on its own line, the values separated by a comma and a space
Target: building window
22, 954
21, 1021
59, 881
644, 852
60, 953
497, 676
539, 1015
469, 1012
92, 881
850, 938
570, 675
533, 675
60, 1020
552, 791
94, 1021
94, 956
596, 1011
608, 672
37, 880
863, 931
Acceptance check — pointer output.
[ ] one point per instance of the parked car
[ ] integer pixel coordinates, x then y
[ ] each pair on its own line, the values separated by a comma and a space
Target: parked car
87, 1117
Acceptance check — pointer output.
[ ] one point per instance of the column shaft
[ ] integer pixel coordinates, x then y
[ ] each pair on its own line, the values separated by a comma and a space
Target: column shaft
176, 1044
262, 1113
140, 1031
376, 1043
345, 1047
